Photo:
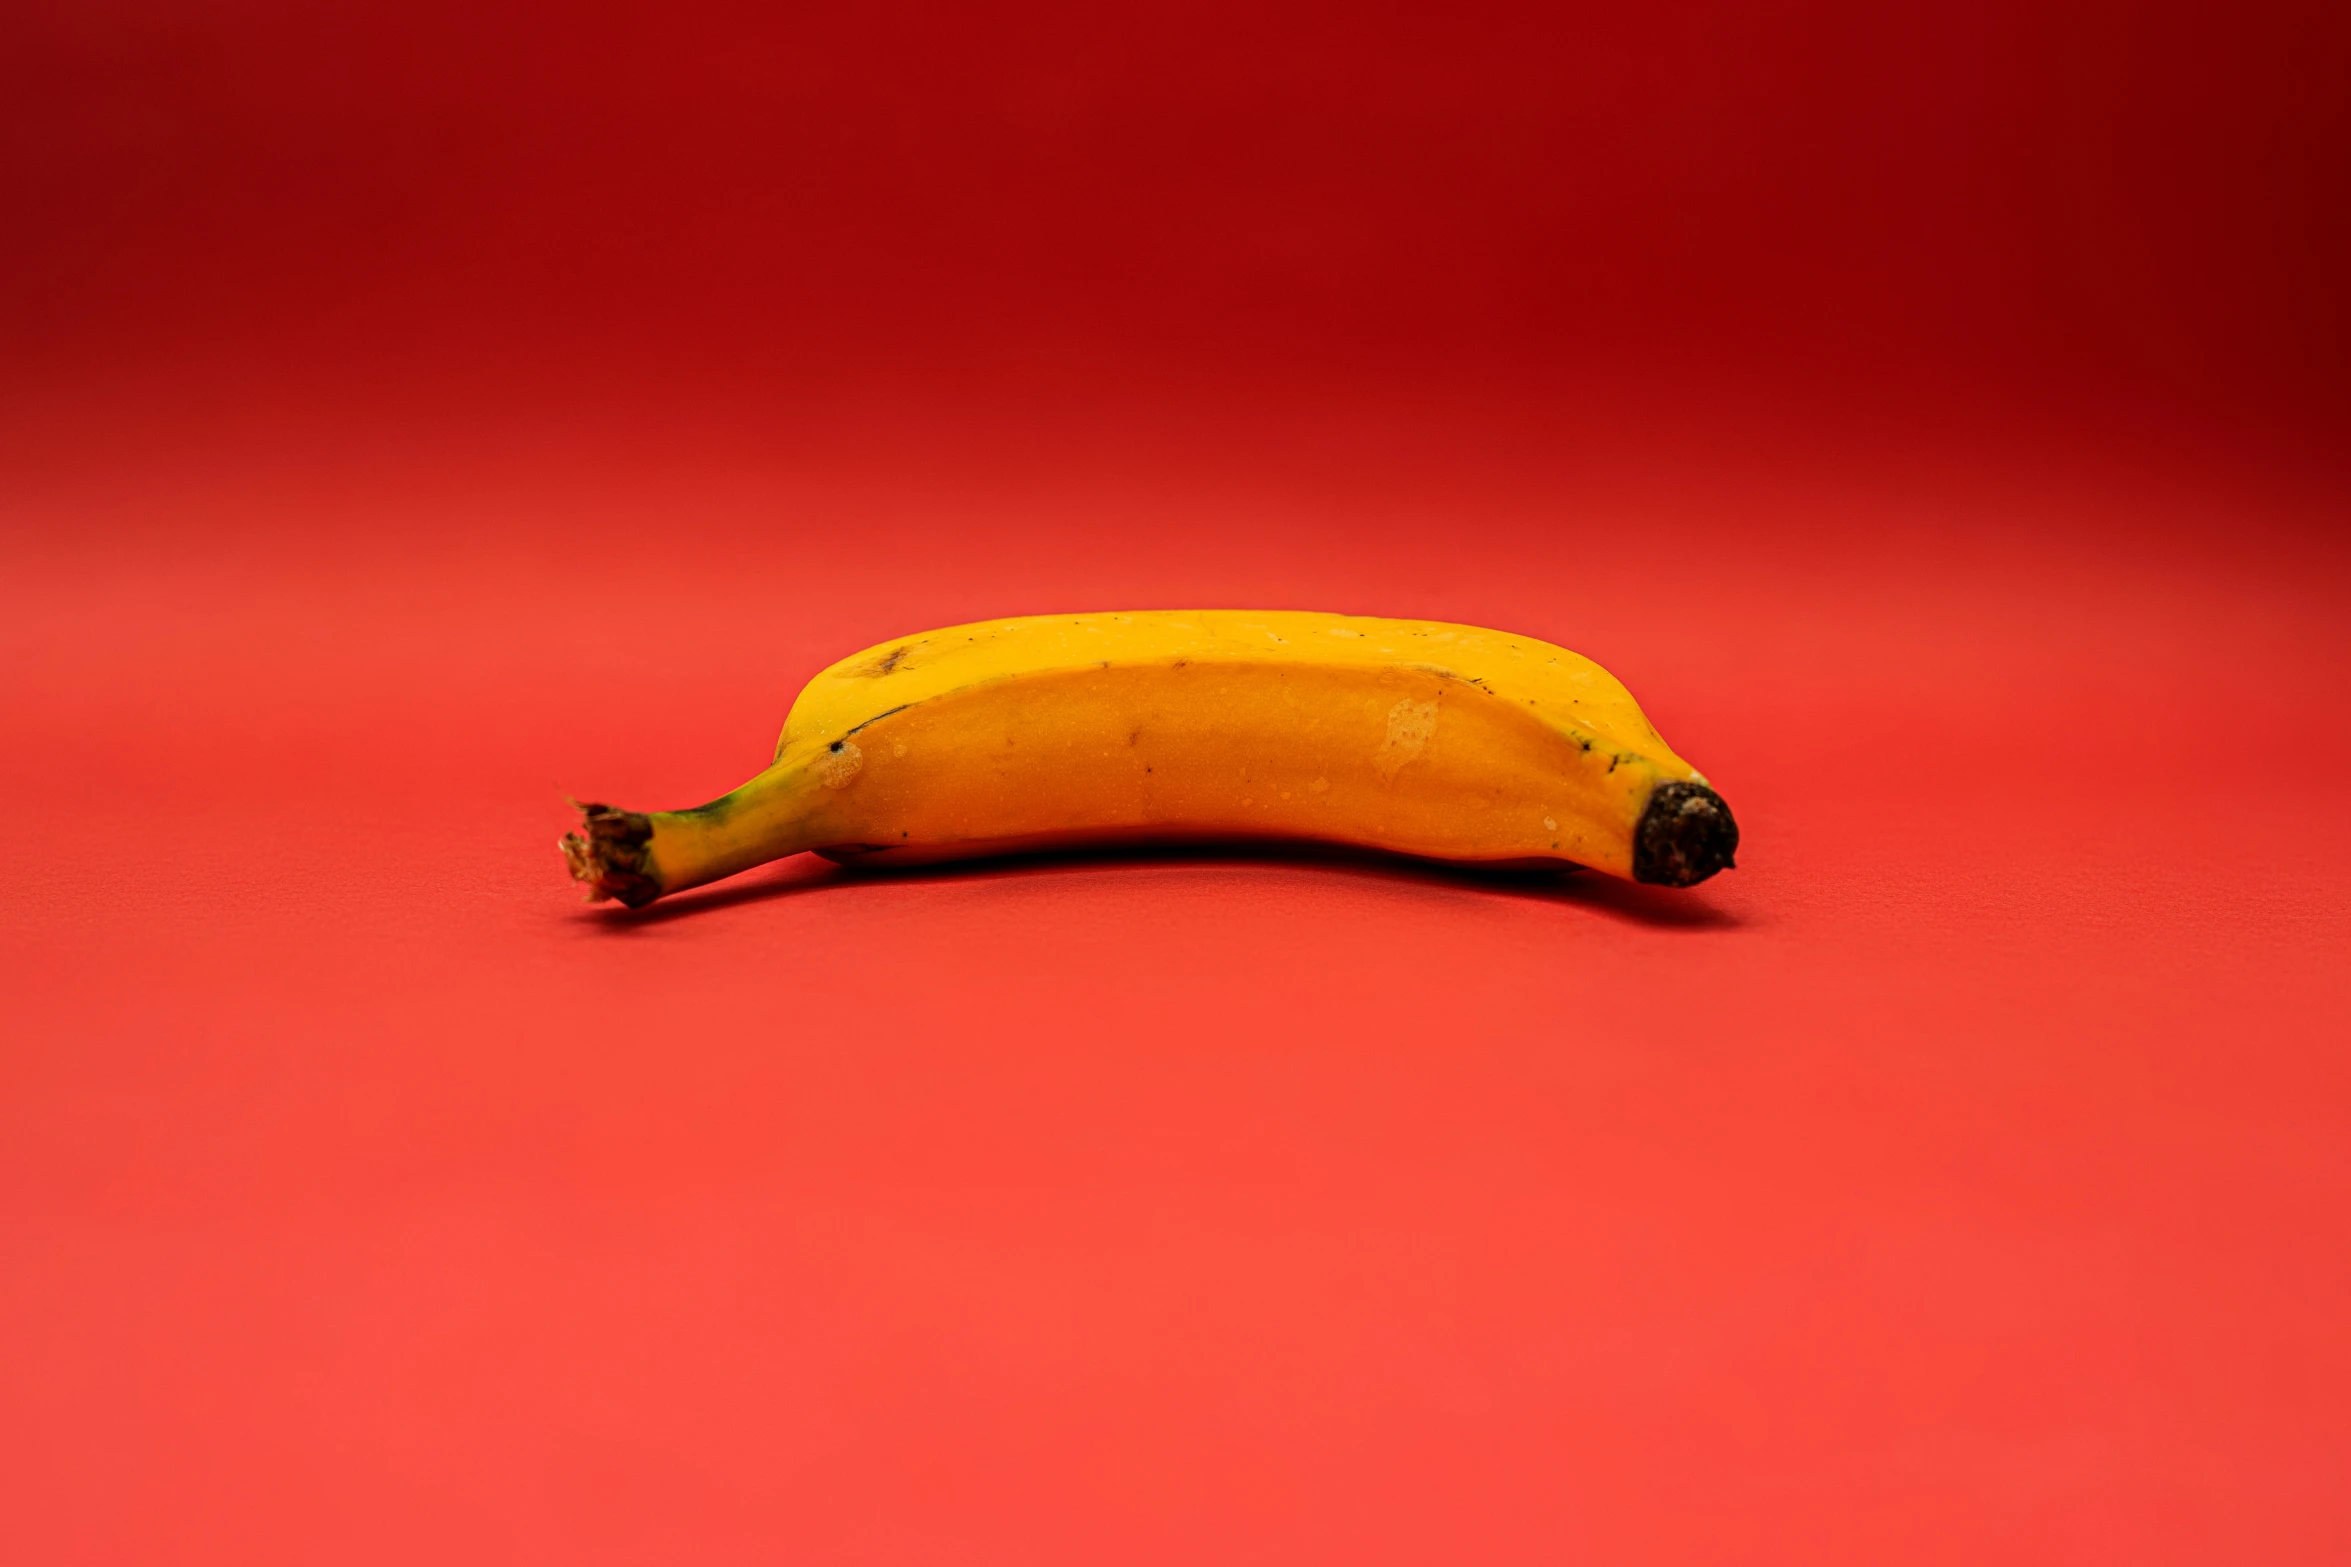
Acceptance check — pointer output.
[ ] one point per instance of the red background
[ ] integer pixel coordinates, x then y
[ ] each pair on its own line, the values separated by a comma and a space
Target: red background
412, 413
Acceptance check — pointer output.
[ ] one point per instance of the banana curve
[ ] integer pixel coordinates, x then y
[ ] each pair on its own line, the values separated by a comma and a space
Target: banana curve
1426, 738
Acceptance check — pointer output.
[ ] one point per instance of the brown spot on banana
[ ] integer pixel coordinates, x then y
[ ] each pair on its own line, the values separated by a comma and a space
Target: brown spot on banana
1410, 724
840, 762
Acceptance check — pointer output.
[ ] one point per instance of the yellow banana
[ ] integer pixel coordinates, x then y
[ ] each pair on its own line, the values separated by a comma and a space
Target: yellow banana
1053, 731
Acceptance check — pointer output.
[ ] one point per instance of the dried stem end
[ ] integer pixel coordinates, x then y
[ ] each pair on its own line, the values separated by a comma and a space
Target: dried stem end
609, 855
1685, 835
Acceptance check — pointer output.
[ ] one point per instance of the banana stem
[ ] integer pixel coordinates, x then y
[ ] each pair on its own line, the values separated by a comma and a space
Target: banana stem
637, 856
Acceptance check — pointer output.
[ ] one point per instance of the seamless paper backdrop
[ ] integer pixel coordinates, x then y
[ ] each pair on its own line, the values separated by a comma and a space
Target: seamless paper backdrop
412, 414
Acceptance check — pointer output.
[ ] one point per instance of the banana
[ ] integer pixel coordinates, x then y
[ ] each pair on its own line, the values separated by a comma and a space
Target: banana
1056, 731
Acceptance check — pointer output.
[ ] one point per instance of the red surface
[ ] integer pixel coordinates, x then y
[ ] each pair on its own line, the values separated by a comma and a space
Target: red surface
411, 418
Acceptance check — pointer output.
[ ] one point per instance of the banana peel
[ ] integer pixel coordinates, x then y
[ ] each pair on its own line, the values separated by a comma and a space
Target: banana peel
1441, 741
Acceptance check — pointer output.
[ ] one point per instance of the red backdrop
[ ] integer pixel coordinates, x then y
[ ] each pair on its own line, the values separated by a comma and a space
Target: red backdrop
411, 413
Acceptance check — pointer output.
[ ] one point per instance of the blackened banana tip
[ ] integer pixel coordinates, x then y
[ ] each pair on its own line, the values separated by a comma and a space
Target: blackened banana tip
609, 855
1686, 834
